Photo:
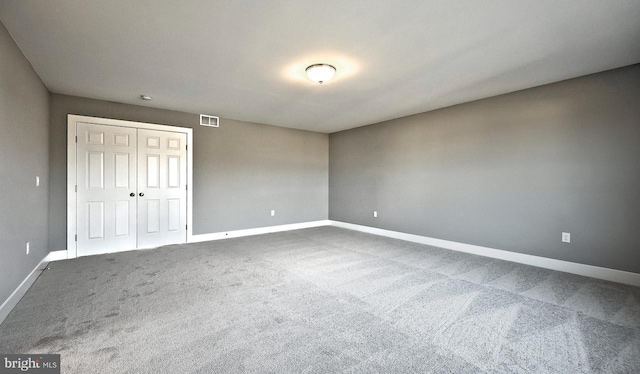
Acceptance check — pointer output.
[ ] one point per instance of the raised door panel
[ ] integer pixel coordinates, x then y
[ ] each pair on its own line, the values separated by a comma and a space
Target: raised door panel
121, 170
122, 218
121, 139
95, 137
95, 169
153, 171
173, 214
153, 216
173, 172
95, 220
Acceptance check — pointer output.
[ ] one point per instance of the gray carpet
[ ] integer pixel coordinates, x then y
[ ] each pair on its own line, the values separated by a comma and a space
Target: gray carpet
322, 300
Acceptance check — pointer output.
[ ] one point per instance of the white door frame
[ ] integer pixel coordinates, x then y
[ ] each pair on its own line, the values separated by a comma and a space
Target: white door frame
72, 120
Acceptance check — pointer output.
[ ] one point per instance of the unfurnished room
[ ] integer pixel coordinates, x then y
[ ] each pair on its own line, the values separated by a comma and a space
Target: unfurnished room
351, 186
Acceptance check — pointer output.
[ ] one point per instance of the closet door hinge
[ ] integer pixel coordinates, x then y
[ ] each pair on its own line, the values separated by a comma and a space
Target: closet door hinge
76, 188
76, 138
76, 237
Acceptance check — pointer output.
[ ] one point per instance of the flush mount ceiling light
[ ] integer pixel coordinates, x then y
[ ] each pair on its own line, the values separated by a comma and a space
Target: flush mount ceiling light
320, 73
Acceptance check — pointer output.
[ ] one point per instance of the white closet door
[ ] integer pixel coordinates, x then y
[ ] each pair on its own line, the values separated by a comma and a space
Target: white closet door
106, 186
162, 183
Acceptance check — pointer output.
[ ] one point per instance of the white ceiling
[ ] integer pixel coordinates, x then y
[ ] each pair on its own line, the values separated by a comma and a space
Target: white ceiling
245, 59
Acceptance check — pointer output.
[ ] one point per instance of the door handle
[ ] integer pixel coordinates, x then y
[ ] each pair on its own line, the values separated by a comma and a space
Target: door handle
132, 194
141, 194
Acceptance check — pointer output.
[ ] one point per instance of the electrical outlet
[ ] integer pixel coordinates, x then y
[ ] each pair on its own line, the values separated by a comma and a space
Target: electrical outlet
566, 237
27, 247
273, 213
375, 214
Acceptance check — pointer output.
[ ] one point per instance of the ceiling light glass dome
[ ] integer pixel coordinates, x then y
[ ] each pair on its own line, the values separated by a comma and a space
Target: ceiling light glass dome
320, 73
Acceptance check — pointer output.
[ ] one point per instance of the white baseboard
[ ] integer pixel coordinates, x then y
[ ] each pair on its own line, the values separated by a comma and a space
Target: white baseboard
57, 256
543, 262
13, 299
61, 255
256, 231
612, 275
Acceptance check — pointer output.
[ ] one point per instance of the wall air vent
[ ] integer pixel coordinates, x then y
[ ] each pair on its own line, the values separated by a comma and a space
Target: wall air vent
210, 121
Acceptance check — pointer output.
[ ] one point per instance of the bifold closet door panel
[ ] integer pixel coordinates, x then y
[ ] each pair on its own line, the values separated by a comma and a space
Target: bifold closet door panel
162, 188
106, 162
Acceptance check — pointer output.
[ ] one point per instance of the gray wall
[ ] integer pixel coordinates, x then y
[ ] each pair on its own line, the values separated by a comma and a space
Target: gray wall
509, 172
24, 145
241, 170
